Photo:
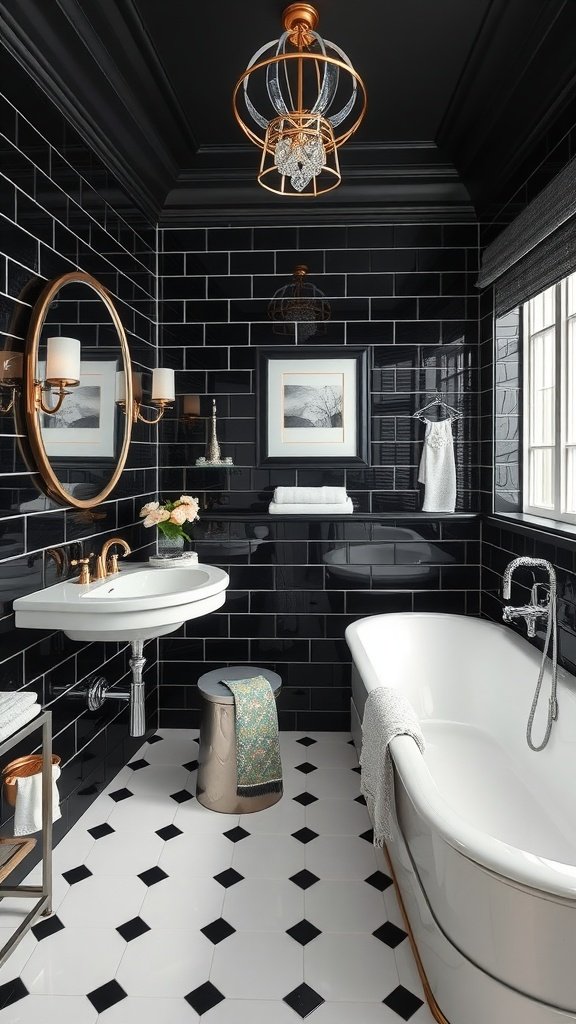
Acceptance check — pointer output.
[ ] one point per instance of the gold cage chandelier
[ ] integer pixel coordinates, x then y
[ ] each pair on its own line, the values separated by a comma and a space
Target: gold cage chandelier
315, 99
301, 303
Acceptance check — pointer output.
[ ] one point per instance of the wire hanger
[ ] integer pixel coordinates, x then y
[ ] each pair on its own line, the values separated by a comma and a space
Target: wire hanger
438, 399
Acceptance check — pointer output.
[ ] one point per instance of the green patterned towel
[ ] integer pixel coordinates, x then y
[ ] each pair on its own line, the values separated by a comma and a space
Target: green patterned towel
258, 764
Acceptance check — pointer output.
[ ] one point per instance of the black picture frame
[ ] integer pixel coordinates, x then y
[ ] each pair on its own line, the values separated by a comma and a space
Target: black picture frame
359, 354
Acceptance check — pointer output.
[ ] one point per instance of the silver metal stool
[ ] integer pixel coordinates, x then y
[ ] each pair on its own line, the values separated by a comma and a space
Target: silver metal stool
217, 781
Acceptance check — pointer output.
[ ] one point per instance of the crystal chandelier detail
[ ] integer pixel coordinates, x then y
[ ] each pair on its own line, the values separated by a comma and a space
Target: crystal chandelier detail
302, 303
315, 101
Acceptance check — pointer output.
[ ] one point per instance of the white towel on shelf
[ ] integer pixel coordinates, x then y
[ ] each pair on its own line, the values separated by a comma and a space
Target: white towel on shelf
437, 467
13, 703
344, 508
387, 714
310, 495
28, 812
10, 725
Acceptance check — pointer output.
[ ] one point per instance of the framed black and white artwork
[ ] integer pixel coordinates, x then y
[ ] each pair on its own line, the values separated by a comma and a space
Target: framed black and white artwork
313, 407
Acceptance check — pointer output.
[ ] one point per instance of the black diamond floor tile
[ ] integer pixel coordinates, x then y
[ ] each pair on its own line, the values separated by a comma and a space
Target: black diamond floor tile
137, 765
99, 831
12, 991
304, 879
306, 741
155, 739
305, 835
306, 768
368, 836
132, 929
169, 832
218, 930
76, 874
190, 766
106, 996
390, 934
204, 998
229, 877
379, 880
235, 835
303, 1000
360, 799
49, 926
350, 743
121, 794
152, 876
305, 799
403, 1002
182, 796
303, 932
357, 769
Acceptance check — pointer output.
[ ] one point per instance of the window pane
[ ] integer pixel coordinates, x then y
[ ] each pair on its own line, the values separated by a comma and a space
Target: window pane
543, 391
542, 477
543, 310
570, 394
571, 480
571, 295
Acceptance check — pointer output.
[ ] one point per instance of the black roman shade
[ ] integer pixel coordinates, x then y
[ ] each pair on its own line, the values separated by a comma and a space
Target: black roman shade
538, 248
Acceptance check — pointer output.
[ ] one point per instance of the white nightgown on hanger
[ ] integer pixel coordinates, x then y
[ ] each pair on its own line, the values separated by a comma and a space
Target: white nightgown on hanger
437, 467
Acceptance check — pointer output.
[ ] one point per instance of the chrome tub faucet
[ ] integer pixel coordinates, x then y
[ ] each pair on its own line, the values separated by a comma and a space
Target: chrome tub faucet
533, 611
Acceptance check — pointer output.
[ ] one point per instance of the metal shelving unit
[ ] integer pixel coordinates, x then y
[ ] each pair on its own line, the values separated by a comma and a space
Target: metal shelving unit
43, 892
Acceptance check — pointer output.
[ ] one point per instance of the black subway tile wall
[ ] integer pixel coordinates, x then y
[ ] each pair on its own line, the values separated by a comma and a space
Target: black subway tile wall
407, 293
55, 217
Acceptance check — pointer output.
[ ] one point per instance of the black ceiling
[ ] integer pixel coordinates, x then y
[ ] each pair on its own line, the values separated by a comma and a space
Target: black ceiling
459, 92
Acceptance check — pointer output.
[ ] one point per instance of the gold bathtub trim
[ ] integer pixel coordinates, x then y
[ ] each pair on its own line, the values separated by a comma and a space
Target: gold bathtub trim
429, 995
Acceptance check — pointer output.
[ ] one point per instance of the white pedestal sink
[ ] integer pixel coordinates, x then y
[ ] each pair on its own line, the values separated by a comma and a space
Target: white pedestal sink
135, 605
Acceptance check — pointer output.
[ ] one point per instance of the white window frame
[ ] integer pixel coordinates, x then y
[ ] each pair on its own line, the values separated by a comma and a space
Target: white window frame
560, 447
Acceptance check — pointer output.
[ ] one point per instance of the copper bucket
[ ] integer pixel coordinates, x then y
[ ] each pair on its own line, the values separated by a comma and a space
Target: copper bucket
22, 768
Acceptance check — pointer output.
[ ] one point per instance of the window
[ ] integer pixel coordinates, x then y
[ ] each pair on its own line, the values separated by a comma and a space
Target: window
550, 402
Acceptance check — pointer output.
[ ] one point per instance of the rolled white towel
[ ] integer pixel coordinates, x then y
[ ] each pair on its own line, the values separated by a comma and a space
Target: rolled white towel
344, 508
28, 812
7, 728
310, 495
12, 703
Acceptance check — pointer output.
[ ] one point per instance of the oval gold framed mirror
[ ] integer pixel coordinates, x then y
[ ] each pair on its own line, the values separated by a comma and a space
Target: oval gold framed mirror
77, 384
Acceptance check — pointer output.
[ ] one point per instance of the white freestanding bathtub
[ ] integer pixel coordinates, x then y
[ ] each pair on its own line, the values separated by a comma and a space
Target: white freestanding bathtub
484, 850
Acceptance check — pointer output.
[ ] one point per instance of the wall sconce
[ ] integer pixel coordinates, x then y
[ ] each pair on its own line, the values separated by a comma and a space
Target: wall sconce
190, 409
10, 377
62, 371
163, 393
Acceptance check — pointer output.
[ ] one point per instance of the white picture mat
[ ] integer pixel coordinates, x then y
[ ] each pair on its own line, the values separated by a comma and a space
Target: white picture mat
303, 442
87, 442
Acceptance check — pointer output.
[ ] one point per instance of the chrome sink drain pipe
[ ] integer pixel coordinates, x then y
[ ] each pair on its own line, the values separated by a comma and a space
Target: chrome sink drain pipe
137, 713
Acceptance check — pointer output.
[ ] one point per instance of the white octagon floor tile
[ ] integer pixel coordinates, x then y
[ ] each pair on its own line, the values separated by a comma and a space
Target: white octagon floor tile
19, 958
202, 856
72, 850
165, 962
345, 906
407, 970
356, 1013
185, 907
60, 886
51, 1010
358, 970
341, 857
333, 755
250, 1011
141, 814
142, 1010
268, 857
177, 747
157, 781
124, 853
282, 818
102, 902
333, 783
337, 818
13, 911
263, 905
192, 817
326, 737
73, 962
263, 964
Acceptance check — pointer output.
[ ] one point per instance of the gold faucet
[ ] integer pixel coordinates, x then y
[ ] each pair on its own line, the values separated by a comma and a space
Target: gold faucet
109, 566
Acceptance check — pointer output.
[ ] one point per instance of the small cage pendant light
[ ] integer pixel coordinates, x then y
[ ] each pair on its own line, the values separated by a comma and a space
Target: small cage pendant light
315, 101
302, 303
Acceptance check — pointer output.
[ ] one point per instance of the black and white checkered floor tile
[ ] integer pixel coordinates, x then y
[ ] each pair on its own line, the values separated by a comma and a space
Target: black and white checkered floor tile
165, 911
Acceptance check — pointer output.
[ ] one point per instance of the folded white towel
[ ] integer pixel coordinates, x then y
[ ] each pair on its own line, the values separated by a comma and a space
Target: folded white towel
310, 495
13, 703
10, 726
28, 813
342, 509
387, 714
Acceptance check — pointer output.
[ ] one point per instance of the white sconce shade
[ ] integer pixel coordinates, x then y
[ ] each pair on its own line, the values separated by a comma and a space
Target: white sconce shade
163, 385
191, 405
121, 386
10, 366
63, 360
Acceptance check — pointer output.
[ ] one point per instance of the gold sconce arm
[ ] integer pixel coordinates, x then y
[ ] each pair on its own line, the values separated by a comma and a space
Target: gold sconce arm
40, 388
162, 405
5, 409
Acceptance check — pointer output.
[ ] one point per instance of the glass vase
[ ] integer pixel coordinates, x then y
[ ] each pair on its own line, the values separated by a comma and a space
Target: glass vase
169, 547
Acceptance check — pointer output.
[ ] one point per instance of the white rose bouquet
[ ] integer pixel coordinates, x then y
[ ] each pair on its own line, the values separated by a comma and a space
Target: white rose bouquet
171, 516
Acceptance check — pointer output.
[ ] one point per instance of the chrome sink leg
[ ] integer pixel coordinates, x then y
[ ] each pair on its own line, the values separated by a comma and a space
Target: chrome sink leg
137, 715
